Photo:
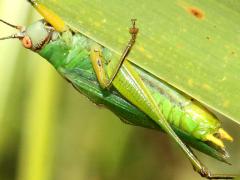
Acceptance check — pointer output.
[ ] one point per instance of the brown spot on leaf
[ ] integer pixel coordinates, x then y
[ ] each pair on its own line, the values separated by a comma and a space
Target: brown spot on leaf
196, 12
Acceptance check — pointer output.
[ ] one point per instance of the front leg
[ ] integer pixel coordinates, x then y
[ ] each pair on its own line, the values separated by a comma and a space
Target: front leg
98, 62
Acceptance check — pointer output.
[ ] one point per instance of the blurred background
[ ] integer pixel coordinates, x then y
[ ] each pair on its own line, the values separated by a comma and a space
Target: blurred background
48, 131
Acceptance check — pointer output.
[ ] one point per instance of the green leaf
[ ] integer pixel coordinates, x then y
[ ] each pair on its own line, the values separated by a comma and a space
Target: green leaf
193, 45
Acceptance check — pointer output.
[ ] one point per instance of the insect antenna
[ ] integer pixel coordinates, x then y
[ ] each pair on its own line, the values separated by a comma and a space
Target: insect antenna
13, 36
11, 25
33, 2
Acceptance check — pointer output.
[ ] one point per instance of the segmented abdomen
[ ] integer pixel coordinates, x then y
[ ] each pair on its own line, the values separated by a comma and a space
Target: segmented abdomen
181, 110
176, 115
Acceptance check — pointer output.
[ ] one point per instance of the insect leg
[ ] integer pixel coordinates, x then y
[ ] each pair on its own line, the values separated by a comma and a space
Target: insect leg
131, 86
205, 173
98, 64
97, 60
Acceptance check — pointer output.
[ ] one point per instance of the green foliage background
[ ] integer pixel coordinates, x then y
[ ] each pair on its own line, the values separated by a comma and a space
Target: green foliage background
48, 131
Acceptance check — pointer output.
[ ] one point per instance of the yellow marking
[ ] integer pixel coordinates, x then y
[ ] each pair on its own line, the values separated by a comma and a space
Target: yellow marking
97, 24
141, 48
104, 21
190, 82
207, 87
224, 135
226, 46
224, 78
226, 103
149, 56
51, 17
147, 53
183, 29
215, 140
179, 46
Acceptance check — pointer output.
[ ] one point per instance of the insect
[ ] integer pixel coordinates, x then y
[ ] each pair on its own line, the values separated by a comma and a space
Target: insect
78, 58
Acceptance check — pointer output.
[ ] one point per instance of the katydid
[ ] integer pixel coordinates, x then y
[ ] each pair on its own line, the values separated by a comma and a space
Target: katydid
76, 57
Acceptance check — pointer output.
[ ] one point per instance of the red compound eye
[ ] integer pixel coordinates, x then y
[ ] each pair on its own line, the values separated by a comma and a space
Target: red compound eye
27, 43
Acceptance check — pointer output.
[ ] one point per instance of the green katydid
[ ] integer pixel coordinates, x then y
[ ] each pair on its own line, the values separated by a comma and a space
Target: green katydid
76, 57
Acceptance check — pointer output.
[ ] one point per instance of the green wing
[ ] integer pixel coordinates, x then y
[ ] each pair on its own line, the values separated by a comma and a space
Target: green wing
88, 86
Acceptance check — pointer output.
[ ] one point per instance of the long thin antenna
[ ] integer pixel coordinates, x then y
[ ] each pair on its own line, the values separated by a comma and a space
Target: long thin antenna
32, 2
11, 25
14, 36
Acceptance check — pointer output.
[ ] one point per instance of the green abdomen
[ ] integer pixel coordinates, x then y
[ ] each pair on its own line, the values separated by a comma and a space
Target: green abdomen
179, 109
176, 115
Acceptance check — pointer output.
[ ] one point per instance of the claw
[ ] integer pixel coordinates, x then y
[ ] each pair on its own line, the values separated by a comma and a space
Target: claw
224, 135
215, 140
133, 30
